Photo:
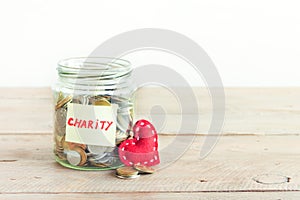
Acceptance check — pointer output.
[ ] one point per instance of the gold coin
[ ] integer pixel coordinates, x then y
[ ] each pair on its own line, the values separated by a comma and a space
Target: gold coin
126, 171
73, 145
131, 113
93, 163
60, 96
63, 102
61, 156
107, 97
144, 169
102, 102
66, 146
59, 143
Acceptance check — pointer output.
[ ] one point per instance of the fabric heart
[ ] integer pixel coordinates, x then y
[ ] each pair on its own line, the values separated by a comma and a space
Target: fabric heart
142, 149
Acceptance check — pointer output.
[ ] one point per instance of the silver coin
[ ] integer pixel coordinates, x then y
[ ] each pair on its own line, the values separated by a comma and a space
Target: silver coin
122, 102
101, 164
60, 121
124, 120
95, 157
121, 136
127, 177
105, 159
110, 149
96, 150
108, 158
73, 157
77, 100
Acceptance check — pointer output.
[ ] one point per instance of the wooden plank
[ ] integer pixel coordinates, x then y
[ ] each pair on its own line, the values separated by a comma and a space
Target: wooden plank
249, 111
151, 196
25, 110
237, 164
25, 93
19, 116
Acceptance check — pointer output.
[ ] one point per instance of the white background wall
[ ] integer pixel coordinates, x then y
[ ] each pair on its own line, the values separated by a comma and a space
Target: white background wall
252, 43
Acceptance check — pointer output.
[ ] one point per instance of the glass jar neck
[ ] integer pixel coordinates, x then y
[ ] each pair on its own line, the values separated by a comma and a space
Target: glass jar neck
95, 75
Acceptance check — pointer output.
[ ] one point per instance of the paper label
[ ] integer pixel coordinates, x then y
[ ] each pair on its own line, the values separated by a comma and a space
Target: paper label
91, 125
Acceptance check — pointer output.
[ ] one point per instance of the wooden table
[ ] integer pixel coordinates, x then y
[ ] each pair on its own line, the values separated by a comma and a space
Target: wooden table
257, 156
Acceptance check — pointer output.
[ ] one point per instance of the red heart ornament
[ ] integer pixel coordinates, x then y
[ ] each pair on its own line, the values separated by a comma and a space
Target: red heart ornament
142, 149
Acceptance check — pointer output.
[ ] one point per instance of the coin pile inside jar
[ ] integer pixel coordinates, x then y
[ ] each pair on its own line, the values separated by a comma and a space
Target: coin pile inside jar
83, 155
133, 172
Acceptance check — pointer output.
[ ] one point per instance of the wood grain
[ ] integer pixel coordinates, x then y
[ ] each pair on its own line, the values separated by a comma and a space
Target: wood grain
27, 166
249, 111
256, 158
154, 196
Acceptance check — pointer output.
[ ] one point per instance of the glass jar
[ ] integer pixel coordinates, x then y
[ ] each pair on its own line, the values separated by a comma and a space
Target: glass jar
93, 112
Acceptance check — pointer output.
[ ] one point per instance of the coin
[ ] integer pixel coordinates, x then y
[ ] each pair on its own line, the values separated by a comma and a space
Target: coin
124, 120
110, 149
121, 101
120, 136
127, 177
106, 159
77, 100
73, 145
101, 102
73, 157
59, 140
95, 157
63, 102
60, 96
61, 155
100, 155
92, 155
96, 150
144, 169
82, 155
126, 171
93, 163
60, 121
76, 157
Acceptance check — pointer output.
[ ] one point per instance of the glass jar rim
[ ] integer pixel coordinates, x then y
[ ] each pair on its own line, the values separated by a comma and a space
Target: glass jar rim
91, 65
94, 73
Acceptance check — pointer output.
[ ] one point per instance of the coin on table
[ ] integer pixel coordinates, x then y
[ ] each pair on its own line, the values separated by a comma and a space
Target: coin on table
127, 177
76, 157
62, 102
144, 169
126, 171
